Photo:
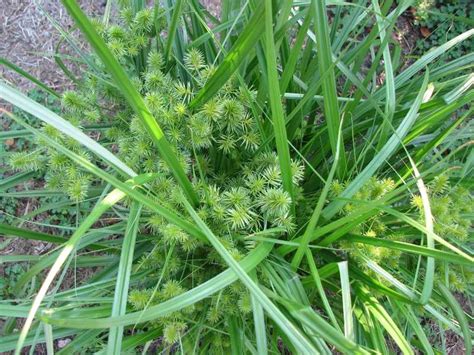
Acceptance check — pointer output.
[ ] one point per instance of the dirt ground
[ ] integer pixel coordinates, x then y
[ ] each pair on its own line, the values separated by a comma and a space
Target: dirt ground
29, 38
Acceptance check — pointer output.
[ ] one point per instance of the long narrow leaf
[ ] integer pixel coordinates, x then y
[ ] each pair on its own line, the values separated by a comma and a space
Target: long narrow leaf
275, 102
132, 96
123, 278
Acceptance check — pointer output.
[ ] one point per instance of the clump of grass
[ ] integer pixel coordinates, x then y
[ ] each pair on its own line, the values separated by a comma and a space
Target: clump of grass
251, 178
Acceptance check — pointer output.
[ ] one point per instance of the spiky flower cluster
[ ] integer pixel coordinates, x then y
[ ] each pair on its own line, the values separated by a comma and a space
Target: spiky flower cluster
452, 208
219, 146
374, 227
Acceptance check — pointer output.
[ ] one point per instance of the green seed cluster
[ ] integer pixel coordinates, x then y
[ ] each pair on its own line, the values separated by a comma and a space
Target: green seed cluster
452, 208
219, 146
374, 227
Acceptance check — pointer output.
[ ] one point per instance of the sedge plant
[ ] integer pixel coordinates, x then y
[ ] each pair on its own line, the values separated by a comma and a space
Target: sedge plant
268, 180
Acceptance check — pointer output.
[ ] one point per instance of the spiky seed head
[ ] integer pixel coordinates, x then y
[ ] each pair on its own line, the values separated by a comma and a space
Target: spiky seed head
439, 184
256, 184
139, 298
174, 234
126, 14
239, 218
212, 110
227, 143
26, 161
116, 32
155, 60
154, 80
117, 47
275, 202
297, 171
194, 60
237, 197
245, 303
143, 21
78, 187
272, 175
171, 289
73, 101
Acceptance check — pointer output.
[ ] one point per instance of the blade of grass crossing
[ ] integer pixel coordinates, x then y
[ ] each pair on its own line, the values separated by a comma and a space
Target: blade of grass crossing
32, 235
100, 208
430, 56
346, 300
390, 98
317, 280
236, 335
317, 211
278, 118
259, 322
381, 157
318, 325
123, 278
382, 317
48, 337
295, 54
416, 326
244, 44
410, 248
178, 7
16, 179
133, 97
459, 315
298, 339
428, 218
49, 117
17, 69
331, 106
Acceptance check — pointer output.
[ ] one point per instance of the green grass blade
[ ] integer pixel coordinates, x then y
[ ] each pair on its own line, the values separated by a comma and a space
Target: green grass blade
278, 118
49, 117
178, 7
381, 315
390, 98
313, 222
429, 225
240, 50
410, 248
123, 278
132, 96
186, 299
381, 157
101, 207
346, 300
416, 326
317, 280
21, 133
460, 316
236, 335
298, 339
326, 68
17, 69
48, 337
259, 323
16, 179
33, 235
317, 325
429, 57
